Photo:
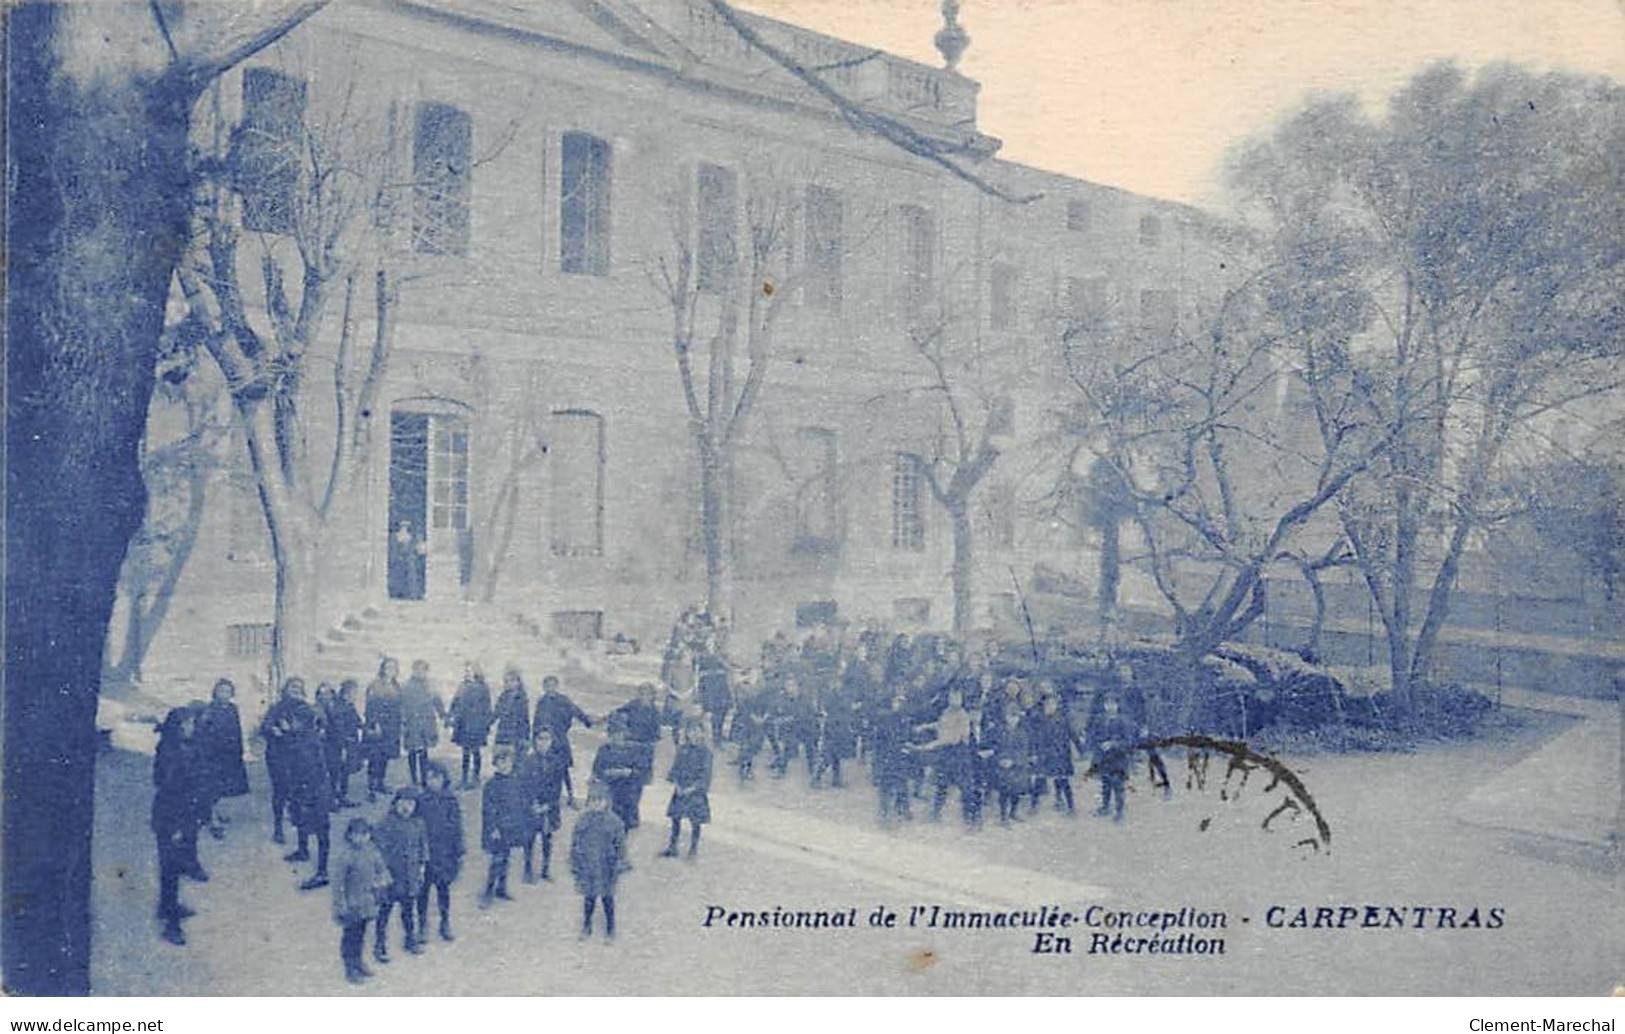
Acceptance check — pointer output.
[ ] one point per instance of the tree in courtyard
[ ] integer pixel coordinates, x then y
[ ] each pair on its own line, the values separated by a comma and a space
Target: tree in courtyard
1473, 228
99, 104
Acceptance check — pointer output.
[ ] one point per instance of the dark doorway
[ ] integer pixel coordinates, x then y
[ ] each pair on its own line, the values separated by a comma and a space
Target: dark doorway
408, 499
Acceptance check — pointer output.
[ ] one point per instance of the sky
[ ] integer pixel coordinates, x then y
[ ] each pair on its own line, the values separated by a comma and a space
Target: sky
1150, 94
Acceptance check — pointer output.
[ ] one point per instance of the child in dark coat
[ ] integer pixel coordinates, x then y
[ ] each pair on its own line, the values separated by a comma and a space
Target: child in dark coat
619, 766
471, 718
505, 822
1111, 740
512, 712
597, 858
288, 719
343, 741
220, 741
178, 801
310, 803
749, 728
404, 844
360, 881
558, 712
443, 824
1052, 742
690, 777
1012, 764
543, 776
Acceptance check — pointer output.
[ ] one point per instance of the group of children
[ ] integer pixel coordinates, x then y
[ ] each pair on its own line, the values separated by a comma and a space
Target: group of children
922, 713
415, 849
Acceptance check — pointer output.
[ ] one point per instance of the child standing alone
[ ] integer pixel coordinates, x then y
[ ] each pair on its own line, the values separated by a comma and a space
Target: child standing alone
597, 858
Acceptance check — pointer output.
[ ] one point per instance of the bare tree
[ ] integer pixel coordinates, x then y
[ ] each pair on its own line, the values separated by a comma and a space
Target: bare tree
726, 286
976, 421
328, 189
1195, 421
99, 98
322, 189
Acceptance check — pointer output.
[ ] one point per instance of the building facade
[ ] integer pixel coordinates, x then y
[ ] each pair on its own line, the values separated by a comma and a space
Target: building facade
528, 448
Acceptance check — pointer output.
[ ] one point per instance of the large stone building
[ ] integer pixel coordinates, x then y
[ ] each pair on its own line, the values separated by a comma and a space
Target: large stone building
564, 158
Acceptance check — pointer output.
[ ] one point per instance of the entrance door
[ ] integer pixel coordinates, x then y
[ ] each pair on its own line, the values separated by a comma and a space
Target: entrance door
450, 545
408, 504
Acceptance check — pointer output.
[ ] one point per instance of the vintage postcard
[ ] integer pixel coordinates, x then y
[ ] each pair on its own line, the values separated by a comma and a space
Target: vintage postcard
757, 497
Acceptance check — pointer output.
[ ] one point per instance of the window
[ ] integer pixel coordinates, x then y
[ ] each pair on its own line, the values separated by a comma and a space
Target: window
716, 210
442, 147
1077, 216
999, 516
584, 206
817, 526
448, 474
244, 642
825, 213
580, 625
1158, 311
1001, 304
1085, 297
269, 149
816, 612
912, 611
907, 518
919, 247
1150, 231
576, 514
246, 539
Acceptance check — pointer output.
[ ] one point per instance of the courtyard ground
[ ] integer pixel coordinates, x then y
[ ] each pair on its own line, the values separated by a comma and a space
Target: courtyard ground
1396, 842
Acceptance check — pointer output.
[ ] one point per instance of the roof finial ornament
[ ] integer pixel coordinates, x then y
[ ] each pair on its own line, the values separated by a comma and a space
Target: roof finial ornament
951, 39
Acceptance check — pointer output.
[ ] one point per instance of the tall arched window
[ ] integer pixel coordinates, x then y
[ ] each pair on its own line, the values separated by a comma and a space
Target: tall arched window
575, 525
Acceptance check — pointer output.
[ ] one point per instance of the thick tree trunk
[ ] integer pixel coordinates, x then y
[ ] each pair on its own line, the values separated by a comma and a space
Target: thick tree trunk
961, 573
296, 551
1619, 817
1111, 573
98, 183
714, 527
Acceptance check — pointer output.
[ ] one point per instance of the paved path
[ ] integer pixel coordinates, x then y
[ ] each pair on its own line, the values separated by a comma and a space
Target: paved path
1568, 789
